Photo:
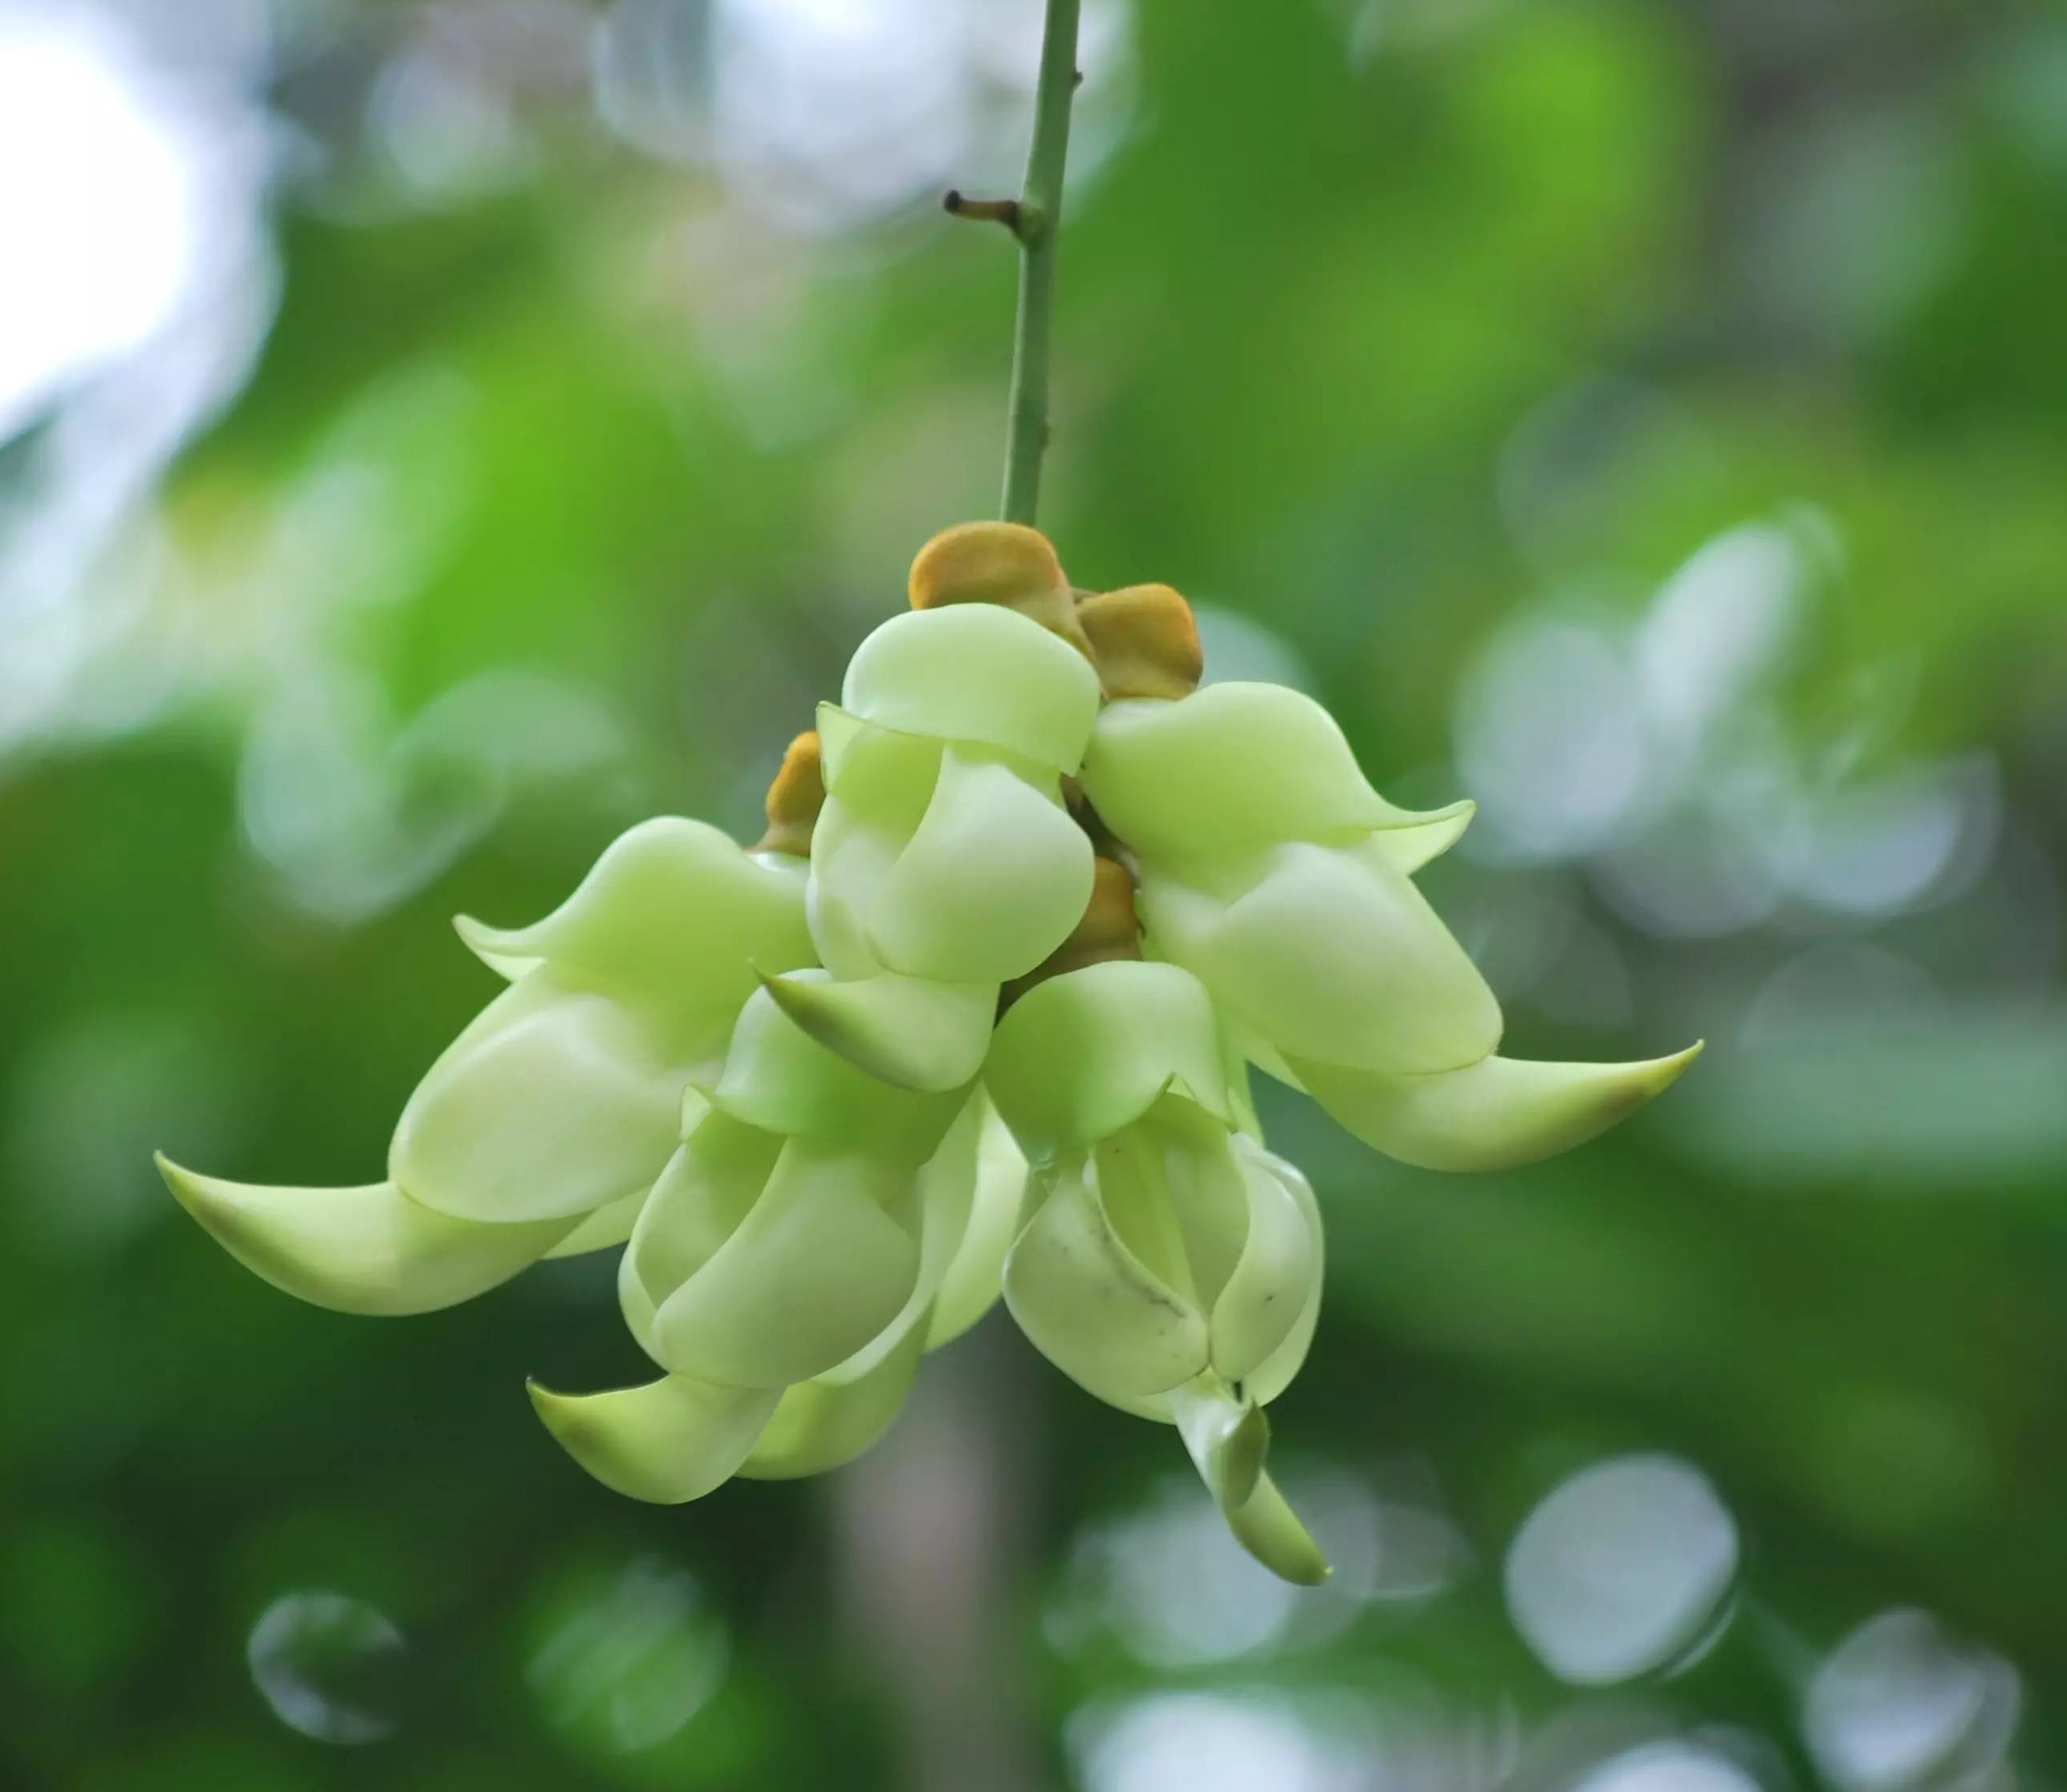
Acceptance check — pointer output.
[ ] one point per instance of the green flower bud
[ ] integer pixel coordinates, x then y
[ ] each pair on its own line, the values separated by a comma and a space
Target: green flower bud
1272, 869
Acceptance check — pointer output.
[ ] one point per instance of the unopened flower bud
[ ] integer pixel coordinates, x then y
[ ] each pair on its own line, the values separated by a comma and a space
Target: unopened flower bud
1144, 641
794, 799
997, 562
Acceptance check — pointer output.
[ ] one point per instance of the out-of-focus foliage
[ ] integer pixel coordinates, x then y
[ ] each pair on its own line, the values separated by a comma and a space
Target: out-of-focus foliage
434, 435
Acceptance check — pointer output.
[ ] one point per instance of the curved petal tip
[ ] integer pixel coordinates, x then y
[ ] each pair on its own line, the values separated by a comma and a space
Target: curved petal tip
667, 1442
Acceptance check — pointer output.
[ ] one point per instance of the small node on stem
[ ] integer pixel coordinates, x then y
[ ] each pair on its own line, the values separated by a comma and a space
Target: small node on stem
958, 204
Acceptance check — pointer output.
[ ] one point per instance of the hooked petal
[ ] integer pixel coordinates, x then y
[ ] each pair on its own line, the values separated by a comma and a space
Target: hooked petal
368, 1250
1226, 1439
907, 1030
817, 1266
674, 914
669, 1441
980, 672
1081, 1055
1232, 768
821, 1424
1329, 952
553, 1103
1091, 1304
1491, 1115
994, 879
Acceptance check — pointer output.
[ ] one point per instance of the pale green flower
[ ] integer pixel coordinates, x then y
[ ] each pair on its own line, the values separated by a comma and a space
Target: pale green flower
1173, 1265
542, 1128
1272, 869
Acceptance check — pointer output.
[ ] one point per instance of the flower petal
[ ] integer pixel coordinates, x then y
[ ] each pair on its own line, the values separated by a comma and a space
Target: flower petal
1329, 952
1080, 1056
1492, 1116
554, 1101
1091, 1306
370, 1250
1233, 768
669, 1441
674, 914
994, 879
1271, 1286
820, 1425
779, 1078
606, 1227
1225, 1445
975, 672
817, 1267
974, 1276
909, 1031
1271, 1377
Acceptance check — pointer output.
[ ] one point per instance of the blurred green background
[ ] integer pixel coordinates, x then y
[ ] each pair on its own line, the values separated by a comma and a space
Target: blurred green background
434, 435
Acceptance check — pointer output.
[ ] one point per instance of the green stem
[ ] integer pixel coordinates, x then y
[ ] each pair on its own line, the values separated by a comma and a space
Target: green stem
1040, 224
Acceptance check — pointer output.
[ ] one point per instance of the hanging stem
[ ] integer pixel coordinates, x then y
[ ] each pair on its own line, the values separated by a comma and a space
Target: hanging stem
1037, 224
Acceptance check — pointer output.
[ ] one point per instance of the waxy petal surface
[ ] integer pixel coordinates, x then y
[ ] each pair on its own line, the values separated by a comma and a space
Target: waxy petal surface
669, 1441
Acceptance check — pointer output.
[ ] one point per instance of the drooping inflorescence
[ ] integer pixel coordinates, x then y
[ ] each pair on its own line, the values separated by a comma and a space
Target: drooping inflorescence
975, 1016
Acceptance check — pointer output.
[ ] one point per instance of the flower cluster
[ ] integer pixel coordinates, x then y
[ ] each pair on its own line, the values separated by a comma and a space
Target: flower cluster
975, 1016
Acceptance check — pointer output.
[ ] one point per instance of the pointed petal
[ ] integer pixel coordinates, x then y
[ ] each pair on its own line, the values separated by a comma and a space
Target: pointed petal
975, 672
1091, 1306
1329, 952
994, 879
779, 1078
1080, 1056
553, 1103
1226, 1439
1271, 1377
974, 1277
1493, 1115
1268, 1292
608, 1225
485, 943
816, 1269
669, 1441
1409, 848
370, 1250
820, 1425
1232, 768
674, 913
908, 1031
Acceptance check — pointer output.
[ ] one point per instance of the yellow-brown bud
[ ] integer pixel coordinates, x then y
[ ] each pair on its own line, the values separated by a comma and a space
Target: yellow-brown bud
1144, 641
997, 562
1110, 929
794, 799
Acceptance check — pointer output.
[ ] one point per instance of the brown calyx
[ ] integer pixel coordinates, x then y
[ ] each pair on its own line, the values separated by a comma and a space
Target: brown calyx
997, 562
1144, 641
794, 799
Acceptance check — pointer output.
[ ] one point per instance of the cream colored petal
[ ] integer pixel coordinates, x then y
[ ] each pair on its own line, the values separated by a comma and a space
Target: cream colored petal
1233, 768
674, 914
779, 1078
976, 672
1271, 1377
820, 1425
370, 1250
995, 878
1090, 1305
1492, 1116
974, 1276
553, 1103
1278, 1274
816, 1268
1329, 954
606, 1227
1080, 1056
907, 1030
669, 1441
